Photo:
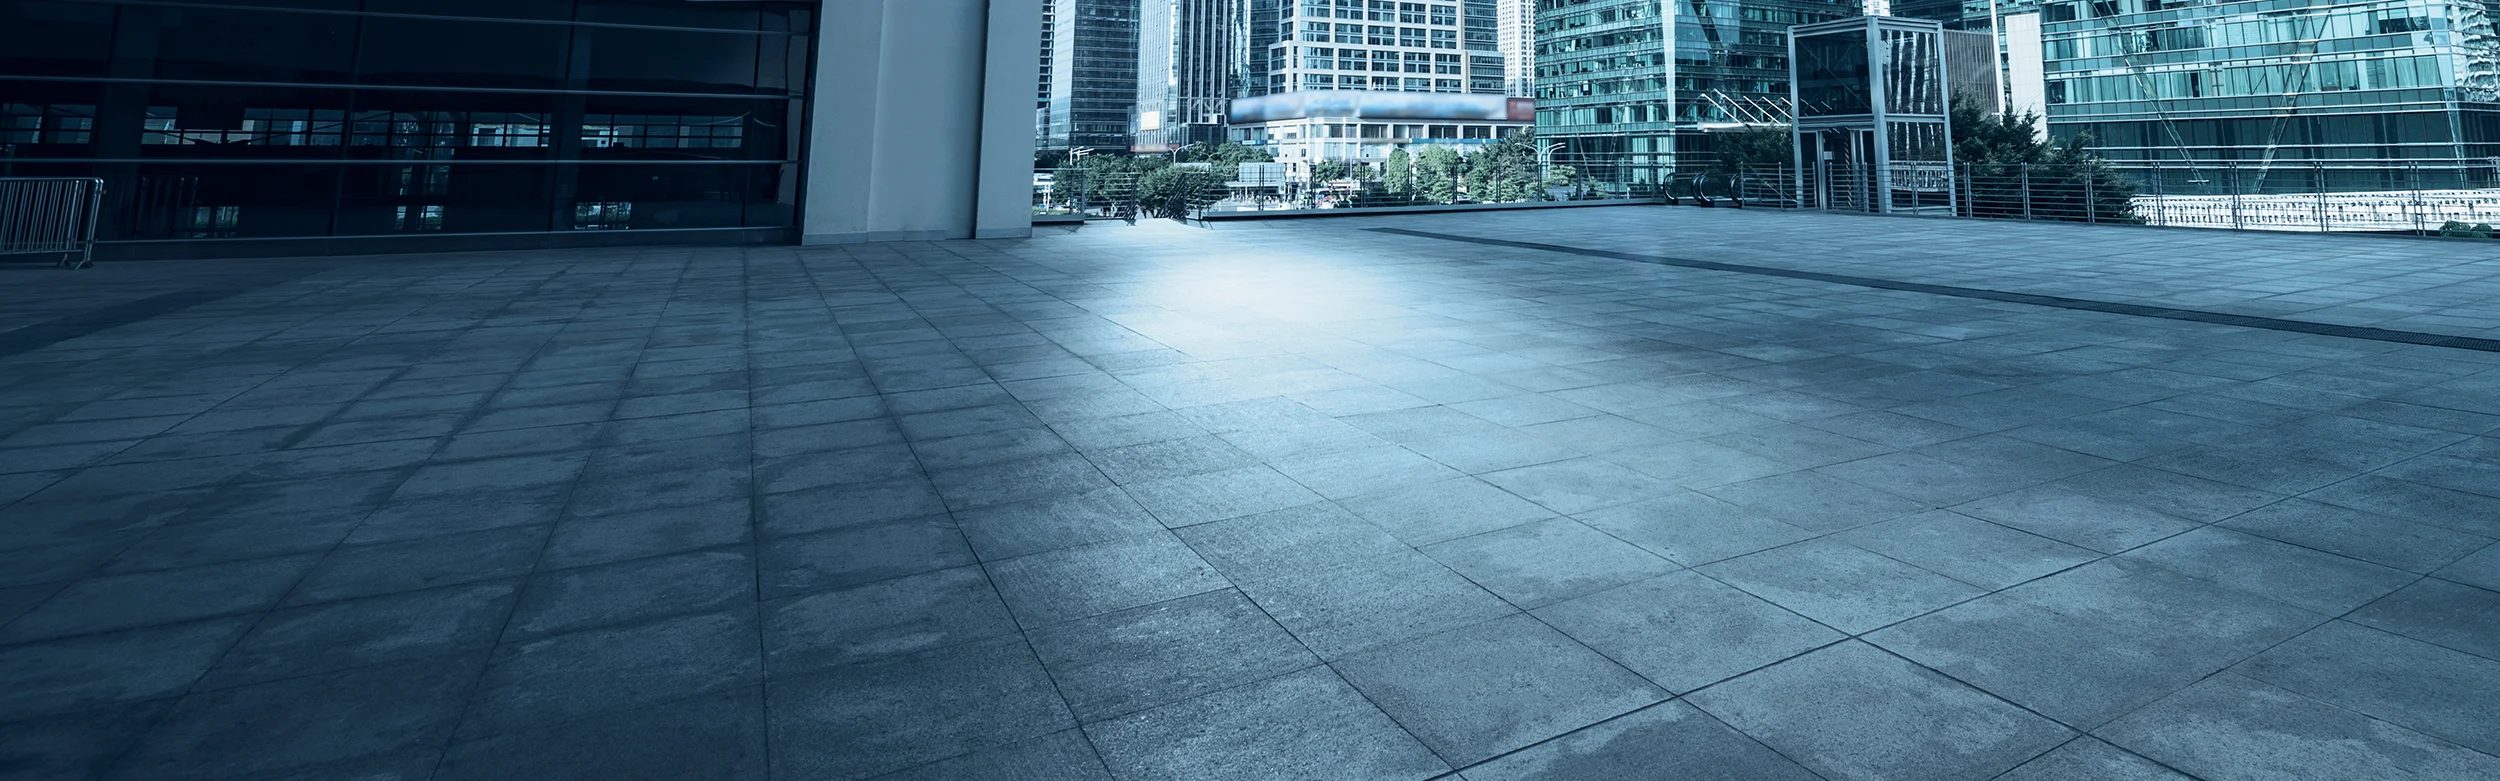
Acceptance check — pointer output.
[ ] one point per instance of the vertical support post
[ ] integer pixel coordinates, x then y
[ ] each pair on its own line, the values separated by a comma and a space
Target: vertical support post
2233, 170
2025, 168
2413, 173
2091, 198
2317, 190
2161, 215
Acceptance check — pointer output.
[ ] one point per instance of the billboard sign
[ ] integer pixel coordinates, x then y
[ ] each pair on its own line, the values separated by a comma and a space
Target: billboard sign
1353, 104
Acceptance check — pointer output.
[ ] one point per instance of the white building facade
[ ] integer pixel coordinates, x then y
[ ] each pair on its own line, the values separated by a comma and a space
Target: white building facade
1518, 41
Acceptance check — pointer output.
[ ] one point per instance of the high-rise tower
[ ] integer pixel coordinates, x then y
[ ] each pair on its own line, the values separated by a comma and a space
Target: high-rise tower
1093, 68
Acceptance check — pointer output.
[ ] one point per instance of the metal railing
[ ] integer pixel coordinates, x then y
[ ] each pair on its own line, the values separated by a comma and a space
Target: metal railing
1085, 194
51, 217
2451, 199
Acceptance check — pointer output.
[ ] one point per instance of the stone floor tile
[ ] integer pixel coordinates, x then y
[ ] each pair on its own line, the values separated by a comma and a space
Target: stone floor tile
1693, 529
354, 571
1839, 585
2370, 537
2230, 728
2089, 759
1432, 512
2413, 684
2084, 666
1365, 603
398, 521
1967, 549
1438, 687
1296, 540
77, 745
568, 676
2319, 581
859, 554
903, 615
711, 736
558, 601
1009, 530
1059, 756
78, 673
1547, 561
1333, 734
579, 542
361, 632
1699, 464
1216, 496
1577, 485
2438, 612
2471, 513
1667, 740
1348, 473
1162, 653
1684, 631
1816, 501
2078, 518
149, 598
862, 720
1850, 711
845, 507
267, 729
1089, 580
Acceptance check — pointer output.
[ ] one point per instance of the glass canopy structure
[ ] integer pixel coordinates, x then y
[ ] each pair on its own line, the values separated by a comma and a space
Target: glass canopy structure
1872, 129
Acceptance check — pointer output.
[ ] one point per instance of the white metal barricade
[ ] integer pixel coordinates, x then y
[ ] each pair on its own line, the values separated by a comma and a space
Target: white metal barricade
51, 217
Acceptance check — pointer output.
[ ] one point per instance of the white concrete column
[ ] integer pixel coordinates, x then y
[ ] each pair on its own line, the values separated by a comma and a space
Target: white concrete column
922, 123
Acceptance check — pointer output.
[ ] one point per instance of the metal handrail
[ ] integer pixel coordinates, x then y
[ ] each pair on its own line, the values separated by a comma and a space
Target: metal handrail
2449, 200
46, 216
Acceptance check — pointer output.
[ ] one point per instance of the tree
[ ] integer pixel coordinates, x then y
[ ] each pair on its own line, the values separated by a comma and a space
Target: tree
1398, 175
1175, 191
1752, 148
1437, 170
1505, 171
2006, 167
1567, 176
1331, 170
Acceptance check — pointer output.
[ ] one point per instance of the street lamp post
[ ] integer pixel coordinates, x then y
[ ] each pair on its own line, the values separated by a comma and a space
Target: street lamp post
1545, 163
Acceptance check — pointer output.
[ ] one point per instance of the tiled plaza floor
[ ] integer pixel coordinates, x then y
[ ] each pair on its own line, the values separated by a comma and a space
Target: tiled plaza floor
1290, 500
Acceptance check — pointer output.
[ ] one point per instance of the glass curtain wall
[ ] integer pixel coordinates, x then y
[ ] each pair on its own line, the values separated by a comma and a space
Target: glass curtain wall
368, 118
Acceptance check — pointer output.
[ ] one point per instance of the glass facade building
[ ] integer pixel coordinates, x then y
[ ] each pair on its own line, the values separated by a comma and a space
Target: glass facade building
1632, 82
1187, 59
2275, 81
370, 119
1093, 74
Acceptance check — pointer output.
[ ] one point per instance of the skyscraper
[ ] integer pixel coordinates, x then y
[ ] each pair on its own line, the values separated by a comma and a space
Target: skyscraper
1093, 72
2394, 82
1518, 42
1634, 81
1186, 55
1041, 96
1267, 21
1386, 45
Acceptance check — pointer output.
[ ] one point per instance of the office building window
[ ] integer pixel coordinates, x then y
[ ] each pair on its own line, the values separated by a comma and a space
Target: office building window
399, 117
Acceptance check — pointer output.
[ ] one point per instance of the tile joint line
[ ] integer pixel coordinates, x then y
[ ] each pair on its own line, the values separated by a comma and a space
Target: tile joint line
2061, 302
